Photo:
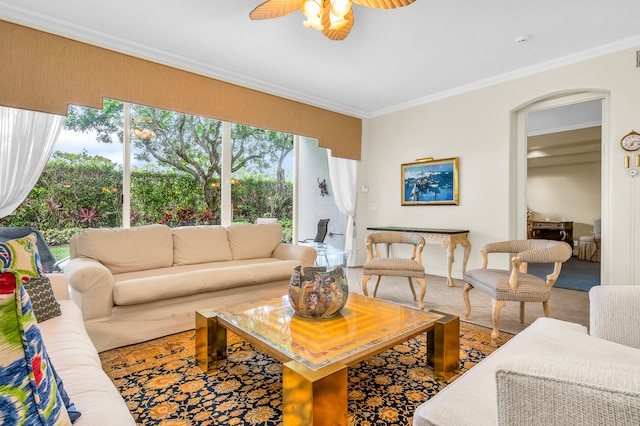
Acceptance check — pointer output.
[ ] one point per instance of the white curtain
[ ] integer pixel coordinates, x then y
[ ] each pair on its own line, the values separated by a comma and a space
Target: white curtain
343, 174
26, 141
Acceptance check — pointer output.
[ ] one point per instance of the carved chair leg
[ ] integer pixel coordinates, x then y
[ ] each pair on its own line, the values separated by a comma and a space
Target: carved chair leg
521, 312
465, 295
375, 290
547, 311
365, 278
413, 290
497, 305
423, 290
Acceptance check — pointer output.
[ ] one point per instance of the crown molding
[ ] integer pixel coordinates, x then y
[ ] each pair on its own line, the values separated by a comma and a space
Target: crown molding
514, 75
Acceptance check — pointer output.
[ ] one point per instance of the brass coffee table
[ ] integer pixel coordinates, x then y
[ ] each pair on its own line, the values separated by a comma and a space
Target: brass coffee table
315, 353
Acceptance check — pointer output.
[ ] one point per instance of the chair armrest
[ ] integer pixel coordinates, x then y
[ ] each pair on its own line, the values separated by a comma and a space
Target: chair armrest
306, 255
91, 287
614, 314
60, 285
567, 391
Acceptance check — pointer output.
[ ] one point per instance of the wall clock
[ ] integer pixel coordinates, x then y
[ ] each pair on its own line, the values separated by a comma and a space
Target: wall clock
631, 141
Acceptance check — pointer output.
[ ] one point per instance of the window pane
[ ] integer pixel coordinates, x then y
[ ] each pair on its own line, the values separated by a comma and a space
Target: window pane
261, 181
175, 177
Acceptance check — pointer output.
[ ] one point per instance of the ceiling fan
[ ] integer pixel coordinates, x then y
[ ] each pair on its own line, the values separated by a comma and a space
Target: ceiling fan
333, 17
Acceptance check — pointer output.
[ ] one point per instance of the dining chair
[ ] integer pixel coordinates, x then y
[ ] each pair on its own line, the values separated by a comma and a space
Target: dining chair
516, 284
410, 267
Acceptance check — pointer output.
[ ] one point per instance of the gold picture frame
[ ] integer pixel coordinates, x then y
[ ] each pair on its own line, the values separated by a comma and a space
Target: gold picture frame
429, 182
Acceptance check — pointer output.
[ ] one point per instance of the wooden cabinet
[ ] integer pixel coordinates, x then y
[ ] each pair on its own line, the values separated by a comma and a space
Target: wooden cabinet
552, 230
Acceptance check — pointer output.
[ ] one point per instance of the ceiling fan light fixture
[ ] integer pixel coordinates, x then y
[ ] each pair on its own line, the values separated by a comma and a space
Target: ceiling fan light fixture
340, 7
312, 9
334, 18
337, 22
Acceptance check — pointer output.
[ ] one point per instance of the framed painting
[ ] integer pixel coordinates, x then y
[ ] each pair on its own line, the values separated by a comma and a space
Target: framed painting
429, 181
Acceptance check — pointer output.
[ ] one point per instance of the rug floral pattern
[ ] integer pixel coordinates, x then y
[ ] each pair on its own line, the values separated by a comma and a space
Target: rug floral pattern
162, 385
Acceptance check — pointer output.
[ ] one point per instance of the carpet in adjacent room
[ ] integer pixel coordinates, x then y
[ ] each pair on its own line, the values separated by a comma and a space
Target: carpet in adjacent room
162, 385
576, 274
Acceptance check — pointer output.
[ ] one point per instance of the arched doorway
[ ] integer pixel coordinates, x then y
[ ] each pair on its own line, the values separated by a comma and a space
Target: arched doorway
520, 145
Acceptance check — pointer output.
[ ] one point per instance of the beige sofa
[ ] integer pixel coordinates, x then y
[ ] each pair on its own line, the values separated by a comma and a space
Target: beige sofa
77, 363
141, 283
554, 373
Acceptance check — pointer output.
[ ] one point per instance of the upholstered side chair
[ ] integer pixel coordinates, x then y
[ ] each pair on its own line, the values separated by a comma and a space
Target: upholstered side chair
516, 285
395, 266
589, 246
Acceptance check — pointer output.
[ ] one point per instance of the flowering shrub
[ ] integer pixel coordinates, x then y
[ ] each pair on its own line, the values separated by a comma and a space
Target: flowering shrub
79, 191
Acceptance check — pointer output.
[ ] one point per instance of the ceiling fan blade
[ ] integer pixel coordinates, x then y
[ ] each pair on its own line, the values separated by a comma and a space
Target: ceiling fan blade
383, 4
340, 34
274, 9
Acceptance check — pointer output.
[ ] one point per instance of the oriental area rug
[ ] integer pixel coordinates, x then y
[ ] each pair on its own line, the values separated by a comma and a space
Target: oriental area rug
162, 384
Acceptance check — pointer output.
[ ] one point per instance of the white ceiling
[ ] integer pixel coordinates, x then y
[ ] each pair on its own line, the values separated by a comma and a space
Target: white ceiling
565, 118
393, 59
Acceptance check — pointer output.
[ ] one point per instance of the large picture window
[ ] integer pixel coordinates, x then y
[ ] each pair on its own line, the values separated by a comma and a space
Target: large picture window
158, 166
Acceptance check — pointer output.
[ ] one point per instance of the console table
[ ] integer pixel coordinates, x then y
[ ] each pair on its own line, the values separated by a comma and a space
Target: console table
552, 230
447, 238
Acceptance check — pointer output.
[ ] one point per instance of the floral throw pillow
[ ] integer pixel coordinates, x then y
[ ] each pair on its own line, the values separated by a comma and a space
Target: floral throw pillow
21, 255
28, 389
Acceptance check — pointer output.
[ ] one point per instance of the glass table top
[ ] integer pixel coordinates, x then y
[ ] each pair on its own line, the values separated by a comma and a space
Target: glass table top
363, 328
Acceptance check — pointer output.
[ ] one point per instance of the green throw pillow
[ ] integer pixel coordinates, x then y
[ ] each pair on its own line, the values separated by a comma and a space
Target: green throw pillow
21, 255
43, 301
28, 390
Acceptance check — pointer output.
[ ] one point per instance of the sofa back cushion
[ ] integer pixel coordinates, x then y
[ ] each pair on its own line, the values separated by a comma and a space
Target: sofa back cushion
127, 250
200, 244
248, 241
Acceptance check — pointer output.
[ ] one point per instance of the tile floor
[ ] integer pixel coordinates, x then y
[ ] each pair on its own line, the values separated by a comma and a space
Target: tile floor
567, 305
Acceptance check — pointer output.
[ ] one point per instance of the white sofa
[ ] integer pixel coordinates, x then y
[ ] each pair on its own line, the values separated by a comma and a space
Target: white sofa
76, 361
145, 282
554, 373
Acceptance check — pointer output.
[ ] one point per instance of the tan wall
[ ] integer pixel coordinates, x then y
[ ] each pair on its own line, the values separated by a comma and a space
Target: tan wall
44, 72
570, 191
479, 128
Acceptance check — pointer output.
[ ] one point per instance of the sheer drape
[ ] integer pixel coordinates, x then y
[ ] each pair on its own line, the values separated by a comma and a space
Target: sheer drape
343, 175
26, 141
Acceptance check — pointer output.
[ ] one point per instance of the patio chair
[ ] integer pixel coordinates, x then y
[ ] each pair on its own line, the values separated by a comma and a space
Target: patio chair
323, 225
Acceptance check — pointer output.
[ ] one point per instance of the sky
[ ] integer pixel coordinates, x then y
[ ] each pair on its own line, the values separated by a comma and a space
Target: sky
76, 142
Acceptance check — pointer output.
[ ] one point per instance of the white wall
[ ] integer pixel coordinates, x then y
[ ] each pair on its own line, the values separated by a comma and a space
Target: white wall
311, 205
479, 127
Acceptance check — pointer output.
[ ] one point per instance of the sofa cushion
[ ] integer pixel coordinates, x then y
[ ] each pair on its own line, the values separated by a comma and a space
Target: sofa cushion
473, 395
78, 364
29, 393
149, 286
128, 249
44, 303
572, 391
200, 244
21, 255
249, 241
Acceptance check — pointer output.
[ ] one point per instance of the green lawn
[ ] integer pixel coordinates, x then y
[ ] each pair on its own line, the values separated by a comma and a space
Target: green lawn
60, 252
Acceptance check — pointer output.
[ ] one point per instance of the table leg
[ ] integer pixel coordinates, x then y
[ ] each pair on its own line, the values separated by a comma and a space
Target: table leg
443, 346
211, 340
314, 397
467, 250
450, 247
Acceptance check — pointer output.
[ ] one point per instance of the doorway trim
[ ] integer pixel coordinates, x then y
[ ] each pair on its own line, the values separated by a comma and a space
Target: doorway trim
519, 171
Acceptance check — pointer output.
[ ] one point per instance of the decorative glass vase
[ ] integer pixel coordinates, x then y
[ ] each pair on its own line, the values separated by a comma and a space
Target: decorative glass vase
315, 292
